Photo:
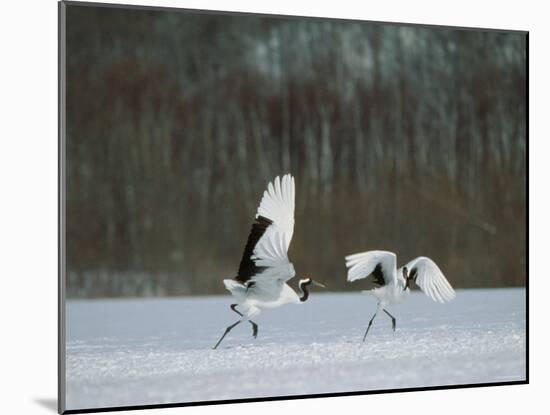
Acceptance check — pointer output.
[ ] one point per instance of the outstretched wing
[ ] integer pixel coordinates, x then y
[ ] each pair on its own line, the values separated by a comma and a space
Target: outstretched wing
427, 275
247, 267
265, 256
381, 264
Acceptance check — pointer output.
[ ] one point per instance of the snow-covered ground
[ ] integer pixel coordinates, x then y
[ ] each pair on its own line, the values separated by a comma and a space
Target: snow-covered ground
150, 351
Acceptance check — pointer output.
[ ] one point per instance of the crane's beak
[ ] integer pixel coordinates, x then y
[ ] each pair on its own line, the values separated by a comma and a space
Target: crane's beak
318, 284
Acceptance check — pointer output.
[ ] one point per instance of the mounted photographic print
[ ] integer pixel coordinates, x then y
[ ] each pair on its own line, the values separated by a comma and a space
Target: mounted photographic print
258, 207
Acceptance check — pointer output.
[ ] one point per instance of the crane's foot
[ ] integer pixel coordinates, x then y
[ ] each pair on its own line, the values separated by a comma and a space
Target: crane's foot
368, 328
366, 332
392, 319
227, 330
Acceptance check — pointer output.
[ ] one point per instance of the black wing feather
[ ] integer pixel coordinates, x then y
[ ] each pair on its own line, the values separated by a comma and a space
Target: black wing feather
247, 267
375, 279
378, 276
412, 275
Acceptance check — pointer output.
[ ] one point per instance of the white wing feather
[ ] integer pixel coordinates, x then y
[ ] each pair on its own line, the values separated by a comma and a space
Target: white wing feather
271, 251
431, 280
363, 264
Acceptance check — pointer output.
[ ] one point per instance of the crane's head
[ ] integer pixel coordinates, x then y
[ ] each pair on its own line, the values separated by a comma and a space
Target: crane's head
307, 281
303, 284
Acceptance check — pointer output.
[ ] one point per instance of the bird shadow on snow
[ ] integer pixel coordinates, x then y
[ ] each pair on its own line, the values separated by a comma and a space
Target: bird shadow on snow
48, 403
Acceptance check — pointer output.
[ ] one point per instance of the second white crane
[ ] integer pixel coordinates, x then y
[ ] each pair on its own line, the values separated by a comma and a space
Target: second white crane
392, 285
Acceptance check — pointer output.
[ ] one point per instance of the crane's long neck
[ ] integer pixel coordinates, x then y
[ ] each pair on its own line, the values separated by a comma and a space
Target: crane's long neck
304, 290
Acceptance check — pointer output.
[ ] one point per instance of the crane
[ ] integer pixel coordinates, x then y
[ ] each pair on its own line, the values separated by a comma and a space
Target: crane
392, 285
261, 281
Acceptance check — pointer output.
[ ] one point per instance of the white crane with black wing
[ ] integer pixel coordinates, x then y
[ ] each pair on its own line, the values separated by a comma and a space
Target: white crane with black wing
261, 282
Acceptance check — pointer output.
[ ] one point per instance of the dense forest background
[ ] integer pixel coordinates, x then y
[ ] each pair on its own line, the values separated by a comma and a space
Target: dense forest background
400, 137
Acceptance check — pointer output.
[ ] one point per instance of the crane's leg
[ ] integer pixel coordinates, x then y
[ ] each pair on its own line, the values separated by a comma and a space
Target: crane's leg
368, 328
254, 329
392, 319
234, 308
254, 325
227, 330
